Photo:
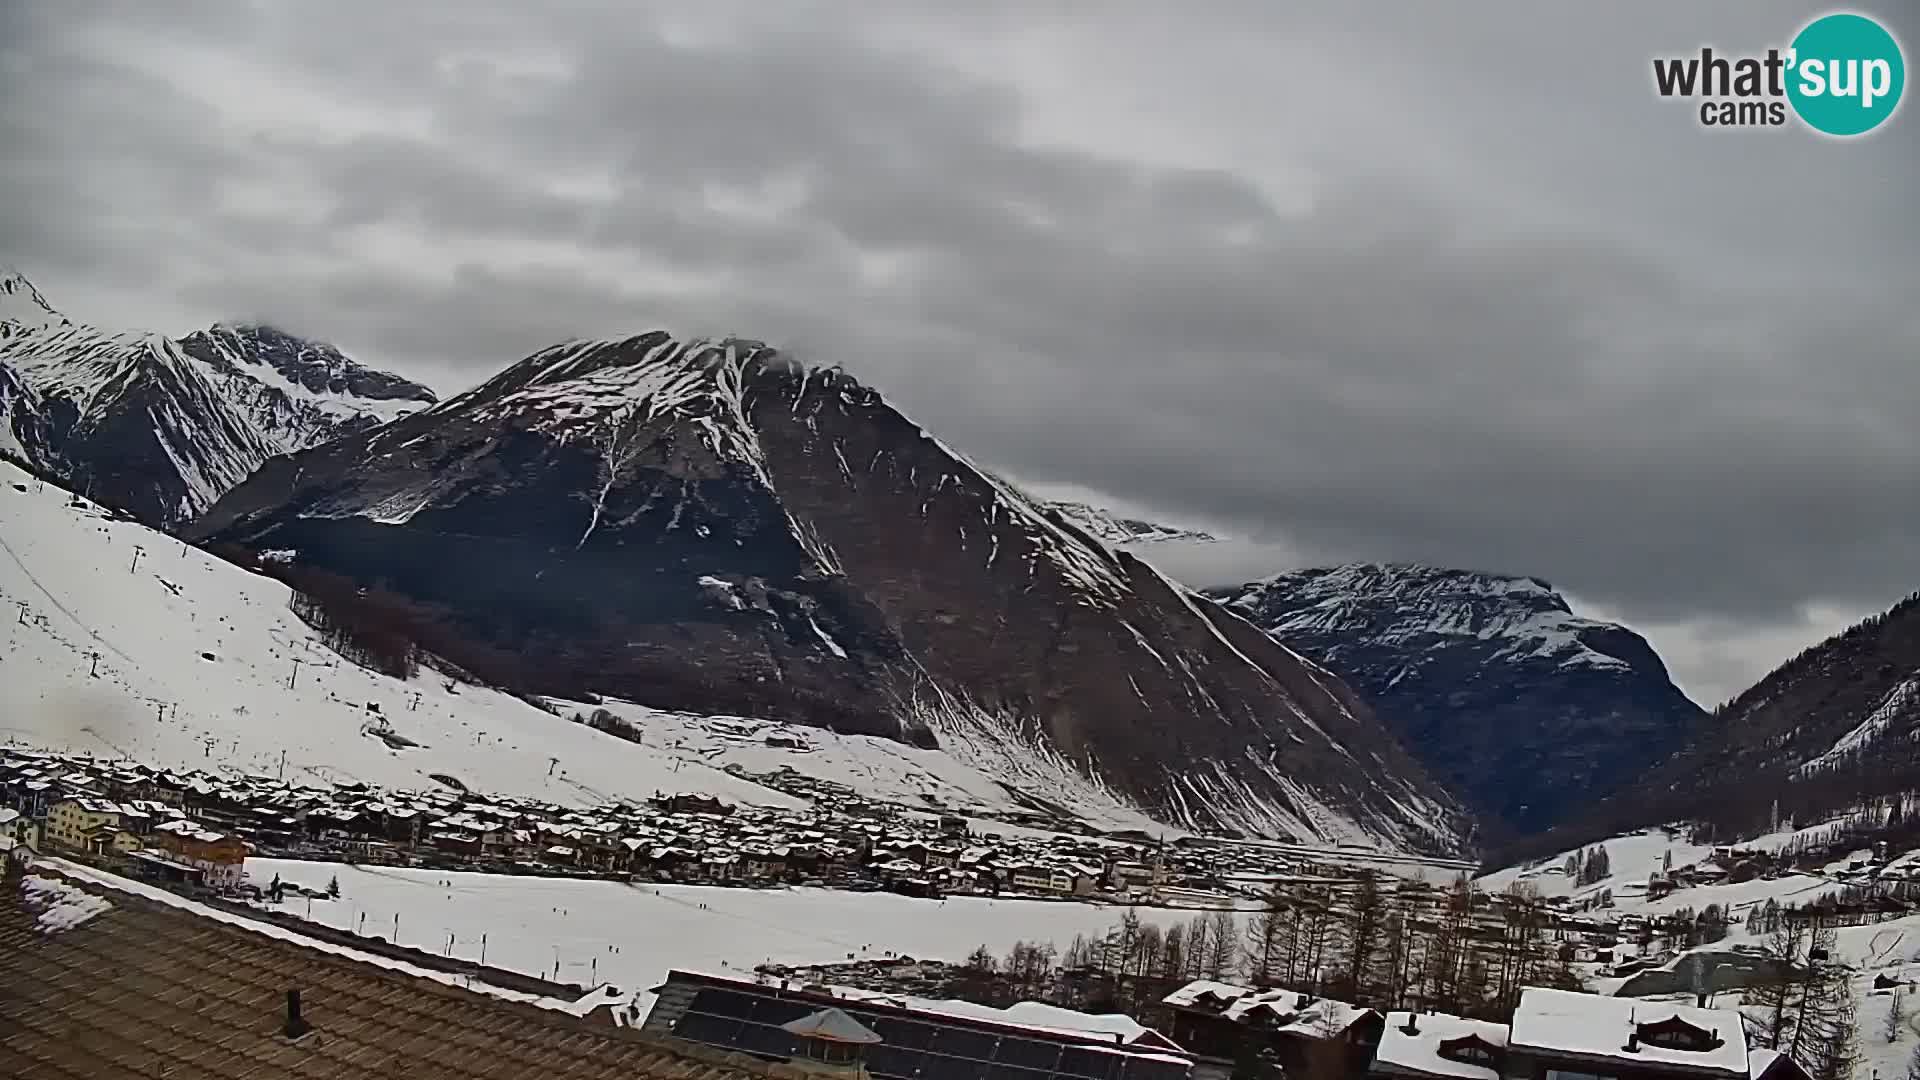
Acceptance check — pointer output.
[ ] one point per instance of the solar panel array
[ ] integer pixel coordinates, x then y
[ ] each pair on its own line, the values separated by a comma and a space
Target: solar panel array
912, 1047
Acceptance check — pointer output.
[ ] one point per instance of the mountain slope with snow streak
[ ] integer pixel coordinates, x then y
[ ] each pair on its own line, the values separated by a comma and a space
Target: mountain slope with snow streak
200, 664
130, 418
22, 309
710, 526
161, 428
1115, 530
1846, 709
1527, 709
301, 393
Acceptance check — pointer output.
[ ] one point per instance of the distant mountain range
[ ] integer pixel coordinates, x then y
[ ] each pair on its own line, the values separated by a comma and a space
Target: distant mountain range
1528, 711
161, 427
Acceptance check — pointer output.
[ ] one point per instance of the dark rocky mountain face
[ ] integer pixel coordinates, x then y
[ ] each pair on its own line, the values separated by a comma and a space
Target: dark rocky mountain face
160, 428
1833, 730
1526, 710
24, 426
709, 526
1842, 718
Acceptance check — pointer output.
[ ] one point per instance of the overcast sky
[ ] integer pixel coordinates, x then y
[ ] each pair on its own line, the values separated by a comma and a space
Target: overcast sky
1346, 281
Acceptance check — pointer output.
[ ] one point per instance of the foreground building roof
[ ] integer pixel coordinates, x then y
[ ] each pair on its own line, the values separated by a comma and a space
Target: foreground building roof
103, 984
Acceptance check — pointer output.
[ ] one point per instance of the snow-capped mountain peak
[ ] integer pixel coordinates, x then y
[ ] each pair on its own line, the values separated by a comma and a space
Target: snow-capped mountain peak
161, 426
301, 393
1492, 679
315, 366
22, 308
1398, 602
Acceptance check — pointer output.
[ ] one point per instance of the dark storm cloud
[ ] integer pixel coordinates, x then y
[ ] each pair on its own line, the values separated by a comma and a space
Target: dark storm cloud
1403, 283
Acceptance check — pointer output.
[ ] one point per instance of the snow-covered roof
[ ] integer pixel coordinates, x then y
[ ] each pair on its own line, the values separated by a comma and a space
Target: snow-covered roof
1593, 1027
59, 905
1032, 1015
1189, 995
117, 884
1282, 1010
1420, 1051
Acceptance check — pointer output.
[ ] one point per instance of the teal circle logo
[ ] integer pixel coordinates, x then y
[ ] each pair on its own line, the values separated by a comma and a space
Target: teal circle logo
1846, 74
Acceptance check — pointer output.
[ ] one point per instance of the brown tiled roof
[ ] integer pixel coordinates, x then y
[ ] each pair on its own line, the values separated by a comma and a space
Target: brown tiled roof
145, 990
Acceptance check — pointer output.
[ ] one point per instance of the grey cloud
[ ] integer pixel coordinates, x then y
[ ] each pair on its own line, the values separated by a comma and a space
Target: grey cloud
1403, 283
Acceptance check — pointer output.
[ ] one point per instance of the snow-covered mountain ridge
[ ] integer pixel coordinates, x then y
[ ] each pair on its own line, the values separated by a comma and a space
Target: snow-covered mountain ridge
1528, 709
301, 393
162, 427
708, 525
1115, 530
1398, 603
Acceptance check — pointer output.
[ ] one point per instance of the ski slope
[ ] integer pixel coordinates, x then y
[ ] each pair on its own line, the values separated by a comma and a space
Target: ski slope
119, 641
631, 935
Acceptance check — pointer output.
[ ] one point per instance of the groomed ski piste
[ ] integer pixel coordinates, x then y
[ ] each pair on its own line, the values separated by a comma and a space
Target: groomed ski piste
119, 641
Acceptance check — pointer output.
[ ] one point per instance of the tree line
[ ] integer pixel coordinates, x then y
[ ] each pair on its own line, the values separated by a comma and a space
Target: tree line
1382, 944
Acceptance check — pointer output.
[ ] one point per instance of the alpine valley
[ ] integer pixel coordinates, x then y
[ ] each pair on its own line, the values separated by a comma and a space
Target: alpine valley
709, 527
708, 537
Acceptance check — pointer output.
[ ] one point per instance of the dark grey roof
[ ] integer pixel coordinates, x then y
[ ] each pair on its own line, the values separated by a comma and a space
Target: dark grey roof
833, 1026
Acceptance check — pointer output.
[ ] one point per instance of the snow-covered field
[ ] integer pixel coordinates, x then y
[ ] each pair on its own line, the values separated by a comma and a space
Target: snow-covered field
1634, 858
630, 935
120, 641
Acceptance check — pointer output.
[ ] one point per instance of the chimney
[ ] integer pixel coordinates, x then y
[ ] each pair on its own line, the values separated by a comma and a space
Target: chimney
296, 1026
1413, 1022
1633, 1032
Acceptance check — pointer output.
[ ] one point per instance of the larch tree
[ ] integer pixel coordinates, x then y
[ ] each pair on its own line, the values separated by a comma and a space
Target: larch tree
1223, 945
1362, 939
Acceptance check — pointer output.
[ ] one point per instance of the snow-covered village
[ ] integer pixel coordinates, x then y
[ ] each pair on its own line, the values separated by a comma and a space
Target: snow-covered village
682, 912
